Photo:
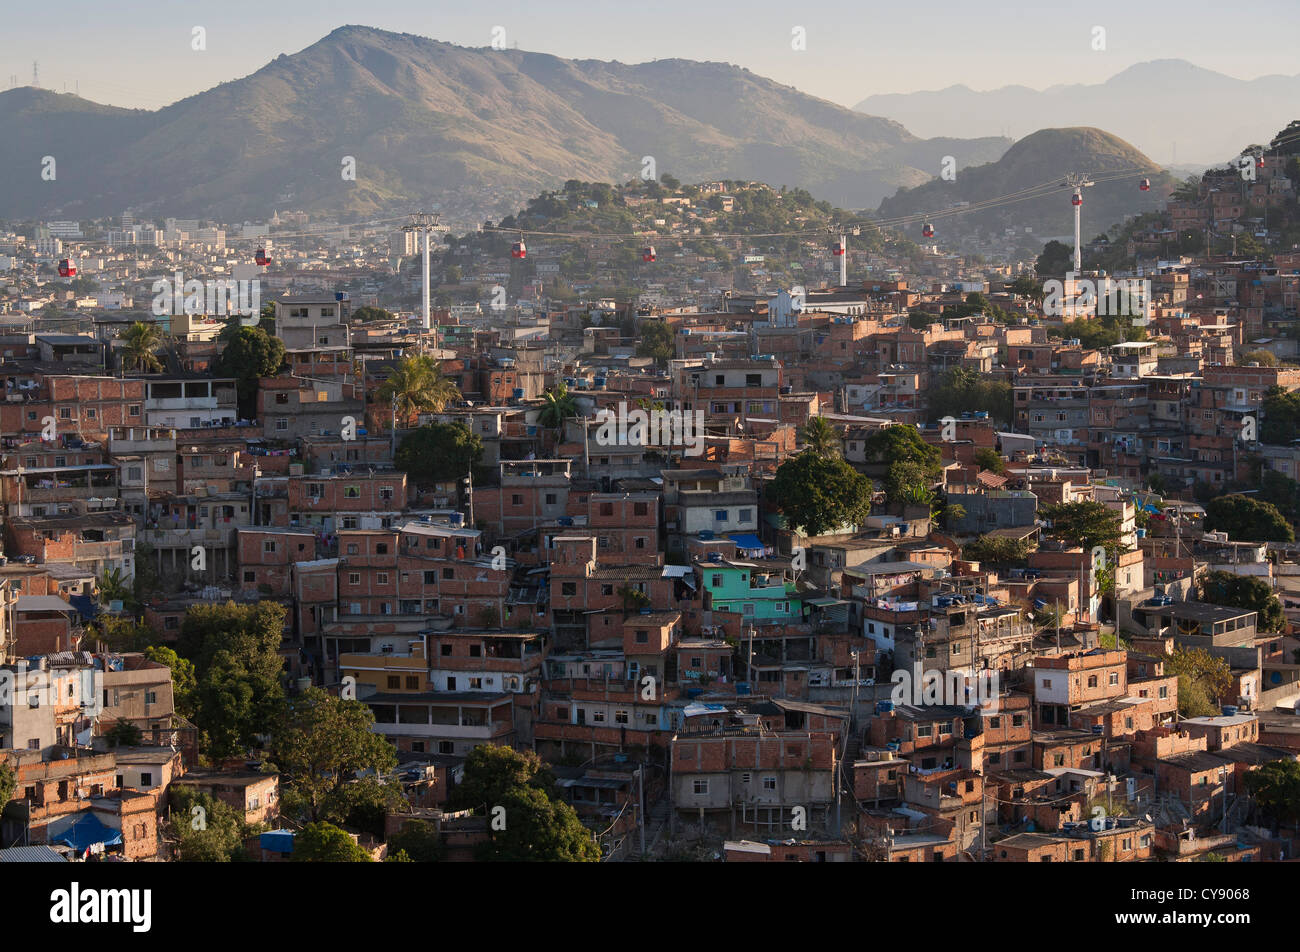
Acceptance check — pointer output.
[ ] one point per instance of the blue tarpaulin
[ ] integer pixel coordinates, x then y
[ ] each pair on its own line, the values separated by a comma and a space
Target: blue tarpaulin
277, 841
746, 541
86, 832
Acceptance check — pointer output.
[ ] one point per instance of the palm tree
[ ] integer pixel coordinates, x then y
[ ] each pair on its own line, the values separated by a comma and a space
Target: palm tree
560, 404
821, 439
139, 343
416, 386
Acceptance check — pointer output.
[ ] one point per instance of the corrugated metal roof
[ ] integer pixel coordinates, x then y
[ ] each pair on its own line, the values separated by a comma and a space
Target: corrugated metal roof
31, 854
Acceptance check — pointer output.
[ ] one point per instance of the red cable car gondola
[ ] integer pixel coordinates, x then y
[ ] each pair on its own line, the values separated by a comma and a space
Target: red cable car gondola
648, 253
68, 268
262, 258
519, 249
1076, 200
927, 230
1145, 185
837, 249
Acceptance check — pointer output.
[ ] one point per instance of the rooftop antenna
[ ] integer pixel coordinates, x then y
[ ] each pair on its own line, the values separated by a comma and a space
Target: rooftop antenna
1077, 181
36, 74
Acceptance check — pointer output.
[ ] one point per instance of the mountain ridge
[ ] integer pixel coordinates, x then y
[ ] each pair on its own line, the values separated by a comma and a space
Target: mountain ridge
430, 122
1127, 103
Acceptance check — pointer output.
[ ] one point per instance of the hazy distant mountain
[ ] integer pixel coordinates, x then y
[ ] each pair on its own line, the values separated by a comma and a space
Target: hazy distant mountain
1170, 109
428, 121
1042, 158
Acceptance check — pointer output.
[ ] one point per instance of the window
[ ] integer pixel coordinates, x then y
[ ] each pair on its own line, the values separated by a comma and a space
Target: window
354, 578
412, 682
769, 783
394, 682
700, 787
268, 546
150, 697
568, 588
620, 717
719, 515
381, 578
642, 636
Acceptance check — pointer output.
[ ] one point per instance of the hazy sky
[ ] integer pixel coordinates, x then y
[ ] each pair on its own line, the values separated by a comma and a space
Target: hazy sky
138, 52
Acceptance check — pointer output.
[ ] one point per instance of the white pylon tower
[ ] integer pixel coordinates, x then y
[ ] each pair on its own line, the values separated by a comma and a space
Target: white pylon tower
842, 252
424, 223
1077, 181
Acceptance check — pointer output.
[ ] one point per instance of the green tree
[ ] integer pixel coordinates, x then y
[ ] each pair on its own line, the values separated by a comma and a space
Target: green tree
817, 494
1279, 416
657, 342
1202, 678
1247, 592
893, 444
235, 650
537, 830
558, 405
183, 681
1276, 789
1247, 520
320, 744
326, 843
952, 513
821, 438
996, 550
140, 342
491, 771
419, 841
249, 355
438, 453
369, 315
8, 782
1265, 358
417, 385
124, 734
989, 458
909, 482
1085, 524
1056, 259
205, 829
121, 633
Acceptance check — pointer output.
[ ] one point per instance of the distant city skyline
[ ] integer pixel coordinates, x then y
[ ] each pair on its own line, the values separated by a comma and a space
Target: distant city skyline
140, 55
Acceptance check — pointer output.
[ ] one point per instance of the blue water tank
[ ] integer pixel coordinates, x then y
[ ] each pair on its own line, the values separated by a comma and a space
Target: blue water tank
1229, 710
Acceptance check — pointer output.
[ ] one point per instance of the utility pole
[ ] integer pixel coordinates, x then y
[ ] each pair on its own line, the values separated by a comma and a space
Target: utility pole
469, 481
640, 774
